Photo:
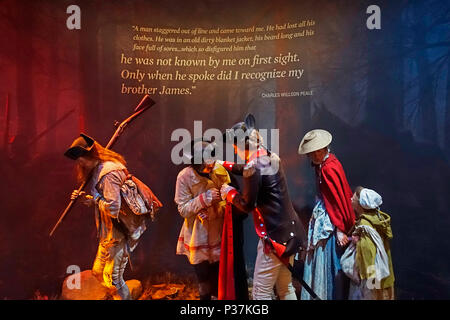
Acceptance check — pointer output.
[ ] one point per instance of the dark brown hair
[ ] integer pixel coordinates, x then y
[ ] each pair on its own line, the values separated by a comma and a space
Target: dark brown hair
358, 191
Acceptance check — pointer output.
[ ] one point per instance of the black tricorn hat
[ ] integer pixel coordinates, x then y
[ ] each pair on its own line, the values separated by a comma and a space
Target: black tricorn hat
80, 146
196, 150
241, 130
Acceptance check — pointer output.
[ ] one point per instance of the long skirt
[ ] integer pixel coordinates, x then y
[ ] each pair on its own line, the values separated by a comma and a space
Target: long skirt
323, 271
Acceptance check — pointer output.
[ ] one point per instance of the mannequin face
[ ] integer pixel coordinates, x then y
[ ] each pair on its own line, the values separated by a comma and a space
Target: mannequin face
86, 163
356, 206
207, 167
243, 154
317, 156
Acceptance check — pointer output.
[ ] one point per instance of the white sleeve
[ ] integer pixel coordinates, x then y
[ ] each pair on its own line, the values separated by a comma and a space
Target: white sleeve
188, 205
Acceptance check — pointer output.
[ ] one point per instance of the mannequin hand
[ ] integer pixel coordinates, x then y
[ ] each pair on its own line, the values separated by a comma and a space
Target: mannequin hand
87, 199
342, 239
202, 215
215, 193
224, 190
355, 239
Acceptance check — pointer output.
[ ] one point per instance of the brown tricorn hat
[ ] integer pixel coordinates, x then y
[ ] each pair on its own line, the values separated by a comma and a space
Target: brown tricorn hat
80, 146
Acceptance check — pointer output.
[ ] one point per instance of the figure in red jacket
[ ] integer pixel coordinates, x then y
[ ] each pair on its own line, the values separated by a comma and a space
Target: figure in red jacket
265, 193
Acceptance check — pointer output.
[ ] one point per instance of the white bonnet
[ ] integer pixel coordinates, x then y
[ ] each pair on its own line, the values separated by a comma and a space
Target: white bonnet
369, 199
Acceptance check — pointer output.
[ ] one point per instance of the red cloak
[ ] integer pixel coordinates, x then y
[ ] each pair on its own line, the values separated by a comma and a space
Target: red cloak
336, 193
226, 264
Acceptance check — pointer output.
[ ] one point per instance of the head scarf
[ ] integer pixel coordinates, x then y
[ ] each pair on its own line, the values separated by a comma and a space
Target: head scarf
369, 199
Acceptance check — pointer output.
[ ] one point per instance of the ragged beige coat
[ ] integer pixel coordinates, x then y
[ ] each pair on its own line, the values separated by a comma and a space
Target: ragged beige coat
200, 241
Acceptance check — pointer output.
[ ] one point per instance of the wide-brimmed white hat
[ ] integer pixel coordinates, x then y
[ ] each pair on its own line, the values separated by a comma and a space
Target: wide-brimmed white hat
314, 140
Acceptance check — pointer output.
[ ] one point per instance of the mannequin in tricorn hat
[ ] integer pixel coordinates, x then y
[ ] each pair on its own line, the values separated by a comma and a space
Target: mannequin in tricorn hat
265, 193
198, 201
108, 172
331, 220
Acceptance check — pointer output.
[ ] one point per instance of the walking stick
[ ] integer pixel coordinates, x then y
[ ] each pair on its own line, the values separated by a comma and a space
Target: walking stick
302, 282
145, 104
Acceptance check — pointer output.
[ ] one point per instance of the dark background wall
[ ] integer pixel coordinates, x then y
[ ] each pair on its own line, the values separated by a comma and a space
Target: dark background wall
384, 95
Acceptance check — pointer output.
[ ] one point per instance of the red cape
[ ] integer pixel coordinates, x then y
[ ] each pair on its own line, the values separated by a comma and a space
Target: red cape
226, 264
336, 194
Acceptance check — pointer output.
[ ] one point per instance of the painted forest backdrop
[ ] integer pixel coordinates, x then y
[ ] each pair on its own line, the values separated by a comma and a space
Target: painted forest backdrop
384, 94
